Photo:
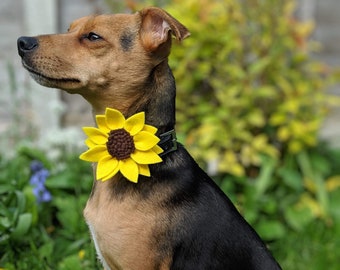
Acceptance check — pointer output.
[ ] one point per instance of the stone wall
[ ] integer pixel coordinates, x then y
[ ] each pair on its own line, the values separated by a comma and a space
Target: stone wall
327, 32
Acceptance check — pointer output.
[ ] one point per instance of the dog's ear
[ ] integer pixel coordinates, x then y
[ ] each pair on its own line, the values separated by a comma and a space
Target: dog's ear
156, 26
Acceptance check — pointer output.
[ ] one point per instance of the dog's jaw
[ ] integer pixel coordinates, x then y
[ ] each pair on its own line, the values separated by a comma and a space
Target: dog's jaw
47, 81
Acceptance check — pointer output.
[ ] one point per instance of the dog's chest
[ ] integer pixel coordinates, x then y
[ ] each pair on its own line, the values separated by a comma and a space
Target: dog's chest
121, 230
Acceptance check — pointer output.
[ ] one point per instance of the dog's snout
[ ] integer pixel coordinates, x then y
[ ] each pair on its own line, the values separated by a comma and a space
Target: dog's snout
26, 44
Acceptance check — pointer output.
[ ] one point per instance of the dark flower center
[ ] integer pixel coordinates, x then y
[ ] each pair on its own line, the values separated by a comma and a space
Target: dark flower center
120, 144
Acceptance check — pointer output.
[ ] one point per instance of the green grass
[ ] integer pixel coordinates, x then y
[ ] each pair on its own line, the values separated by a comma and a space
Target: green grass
316, 248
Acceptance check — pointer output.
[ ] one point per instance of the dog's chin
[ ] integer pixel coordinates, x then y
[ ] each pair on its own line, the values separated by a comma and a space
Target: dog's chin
49, 81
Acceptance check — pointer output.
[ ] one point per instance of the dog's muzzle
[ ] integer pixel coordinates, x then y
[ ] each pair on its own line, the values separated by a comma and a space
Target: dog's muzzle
27, 45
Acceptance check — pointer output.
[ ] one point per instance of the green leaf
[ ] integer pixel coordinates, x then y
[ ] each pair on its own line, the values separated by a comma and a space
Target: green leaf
270, 206
6, 188
270, 229
23, 225
314, 175
291, 178
264, 180
298, 217
62, 180
21, 201
259, 65
46, 250
69, 214
71, 263
5, 222
334, 206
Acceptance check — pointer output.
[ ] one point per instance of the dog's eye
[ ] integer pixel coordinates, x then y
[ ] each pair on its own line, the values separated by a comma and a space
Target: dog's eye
93, 36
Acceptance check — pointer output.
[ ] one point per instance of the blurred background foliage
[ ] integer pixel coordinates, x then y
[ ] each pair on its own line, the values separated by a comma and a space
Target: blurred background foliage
247, 84
44, 234
250, 103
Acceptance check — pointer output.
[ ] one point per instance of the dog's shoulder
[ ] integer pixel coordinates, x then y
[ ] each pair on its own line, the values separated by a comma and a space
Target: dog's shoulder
204, 219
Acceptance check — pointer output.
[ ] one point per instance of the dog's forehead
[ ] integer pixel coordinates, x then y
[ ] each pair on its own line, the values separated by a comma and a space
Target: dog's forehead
105, 21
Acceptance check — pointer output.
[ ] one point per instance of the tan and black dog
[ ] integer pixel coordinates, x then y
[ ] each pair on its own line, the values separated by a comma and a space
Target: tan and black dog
177, 218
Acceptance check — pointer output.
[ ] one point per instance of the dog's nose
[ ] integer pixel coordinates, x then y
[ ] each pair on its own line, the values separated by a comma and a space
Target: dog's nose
26, 44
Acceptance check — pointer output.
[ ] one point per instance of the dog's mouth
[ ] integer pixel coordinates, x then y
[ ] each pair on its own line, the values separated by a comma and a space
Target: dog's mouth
47, 80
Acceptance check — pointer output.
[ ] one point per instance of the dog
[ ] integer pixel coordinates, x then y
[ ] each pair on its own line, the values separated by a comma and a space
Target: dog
178, 218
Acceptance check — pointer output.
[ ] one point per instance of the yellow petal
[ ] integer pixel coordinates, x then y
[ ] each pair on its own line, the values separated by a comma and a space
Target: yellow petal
96, 135
145, 141
135, 123
145, 157
94, 154
114, 119
144, 169
150, 129
110, 175
129, 169
106, 166
101, 123
89, 143
157, 149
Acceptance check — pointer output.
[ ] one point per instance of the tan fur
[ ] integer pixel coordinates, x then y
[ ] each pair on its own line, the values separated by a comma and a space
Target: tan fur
124, 228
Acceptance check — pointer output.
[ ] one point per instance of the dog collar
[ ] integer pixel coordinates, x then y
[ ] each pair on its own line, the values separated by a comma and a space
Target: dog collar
168, 142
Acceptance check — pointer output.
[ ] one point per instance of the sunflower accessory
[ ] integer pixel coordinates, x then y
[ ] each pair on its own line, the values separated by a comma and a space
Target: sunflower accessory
122, 145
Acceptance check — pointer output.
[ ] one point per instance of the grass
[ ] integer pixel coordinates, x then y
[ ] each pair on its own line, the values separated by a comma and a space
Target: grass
316, 248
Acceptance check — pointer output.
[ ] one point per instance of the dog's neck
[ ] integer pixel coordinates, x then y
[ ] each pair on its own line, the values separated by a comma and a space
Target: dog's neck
156, 97
161, 95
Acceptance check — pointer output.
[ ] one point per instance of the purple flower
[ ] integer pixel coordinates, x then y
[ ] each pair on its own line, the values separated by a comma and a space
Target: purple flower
36, 166
37, 180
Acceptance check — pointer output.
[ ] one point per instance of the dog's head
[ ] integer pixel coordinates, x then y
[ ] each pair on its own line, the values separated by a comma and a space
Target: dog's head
104, 57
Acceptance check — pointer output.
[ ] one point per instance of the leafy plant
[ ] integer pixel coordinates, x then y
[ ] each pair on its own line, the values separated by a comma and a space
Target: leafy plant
247, 85
44, 234
288, 196
313, 248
